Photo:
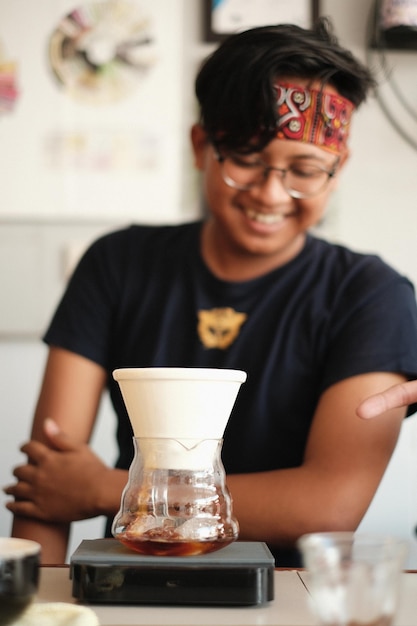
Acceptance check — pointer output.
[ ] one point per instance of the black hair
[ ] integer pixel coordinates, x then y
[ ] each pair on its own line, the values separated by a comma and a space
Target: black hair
235, 84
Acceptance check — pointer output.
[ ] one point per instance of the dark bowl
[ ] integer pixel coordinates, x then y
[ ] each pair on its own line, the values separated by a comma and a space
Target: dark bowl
19, 576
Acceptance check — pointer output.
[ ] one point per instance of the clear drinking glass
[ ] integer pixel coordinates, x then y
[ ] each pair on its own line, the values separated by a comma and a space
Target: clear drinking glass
354, 579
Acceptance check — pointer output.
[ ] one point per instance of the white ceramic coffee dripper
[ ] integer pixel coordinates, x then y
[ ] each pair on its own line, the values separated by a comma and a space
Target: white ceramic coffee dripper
176, 500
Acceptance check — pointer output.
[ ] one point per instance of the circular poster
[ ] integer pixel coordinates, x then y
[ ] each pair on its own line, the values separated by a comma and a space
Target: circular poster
101, 50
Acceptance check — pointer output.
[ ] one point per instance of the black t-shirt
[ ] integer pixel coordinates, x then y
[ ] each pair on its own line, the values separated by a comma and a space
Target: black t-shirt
143, 297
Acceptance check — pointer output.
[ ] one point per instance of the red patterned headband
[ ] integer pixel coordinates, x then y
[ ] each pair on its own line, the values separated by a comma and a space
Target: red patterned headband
313, 116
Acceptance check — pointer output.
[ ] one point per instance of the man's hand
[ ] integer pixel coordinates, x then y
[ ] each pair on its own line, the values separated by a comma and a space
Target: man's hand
396, 396
61, 481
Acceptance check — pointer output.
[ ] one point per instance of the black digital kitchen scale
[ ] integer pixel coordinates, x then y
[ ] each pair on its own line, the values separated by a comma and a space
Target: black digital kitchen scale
106, 572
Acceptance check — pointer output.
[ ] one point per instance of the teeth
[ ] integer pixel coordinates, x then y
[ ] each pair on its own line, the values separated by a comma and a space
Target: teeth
265, 218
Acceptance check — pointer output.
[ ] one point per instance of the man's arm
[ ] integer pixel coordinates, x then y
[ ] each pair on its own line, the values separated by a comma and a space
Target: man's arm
70, 394
344, 461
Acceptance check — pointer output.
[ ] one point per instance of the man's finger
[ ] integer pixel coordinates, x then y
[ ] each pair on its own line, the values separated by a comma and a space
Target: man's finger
396, 396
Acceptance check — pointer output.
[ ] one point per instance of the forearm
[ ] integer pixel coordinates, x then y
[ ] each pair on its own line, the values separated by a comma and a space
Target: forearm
52, 537
109, 491
279, 506
344, 461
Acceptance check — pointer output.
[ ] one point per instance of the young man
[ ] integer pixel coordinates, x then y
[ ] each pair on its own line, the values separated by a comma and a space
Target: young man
317, 327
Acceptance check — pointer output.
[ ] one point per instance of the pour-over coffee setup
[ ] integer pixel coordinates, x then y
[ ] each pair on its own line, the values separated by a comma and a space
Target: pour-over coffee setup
175, 533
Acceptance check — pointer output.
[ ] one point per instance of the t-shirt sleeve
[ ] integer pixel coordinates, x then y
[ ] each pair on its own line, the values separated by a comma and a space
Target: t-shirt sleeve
372, 326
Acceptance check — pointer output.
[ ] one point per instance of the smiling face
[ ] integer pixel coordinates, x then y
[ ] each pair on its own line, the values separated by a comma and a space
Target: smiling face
250, 232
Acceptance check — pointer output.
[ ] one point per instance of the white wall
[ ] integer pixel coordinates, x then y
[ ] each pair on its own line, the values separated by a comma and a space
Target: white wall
375, 204
373, 210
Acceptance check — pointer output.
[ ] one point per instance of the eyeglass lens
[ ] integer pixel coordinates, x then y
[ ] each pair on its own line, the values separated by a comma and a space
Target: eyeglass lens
303, 179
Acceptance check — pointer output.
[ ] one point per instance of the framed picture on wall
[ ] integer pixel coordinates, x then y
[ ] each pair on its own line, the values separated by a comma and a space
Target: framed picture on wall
224, 17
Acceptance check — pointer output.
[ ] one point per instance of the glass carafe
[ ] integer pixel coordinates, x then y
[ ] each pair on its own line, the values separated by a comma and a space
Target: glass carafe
176, 501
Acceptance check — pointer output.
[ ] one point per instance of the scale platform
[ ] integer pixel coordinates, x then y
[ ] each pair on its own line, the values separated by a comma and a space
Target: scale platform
103, 571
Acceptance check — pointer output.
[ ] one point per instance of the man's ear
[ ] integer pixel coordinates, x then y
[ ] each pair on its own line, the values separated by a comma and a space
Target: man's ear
199, 143
344, 158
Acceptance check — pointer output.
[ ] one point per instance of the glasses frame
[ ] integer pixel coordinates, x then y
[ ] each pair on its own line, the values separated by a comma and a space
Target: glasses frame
267, 169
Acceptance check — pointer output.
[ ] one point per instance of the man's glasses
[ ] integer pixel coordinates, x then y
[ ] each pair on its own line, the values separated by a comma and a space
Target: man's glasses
301, 180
